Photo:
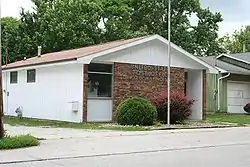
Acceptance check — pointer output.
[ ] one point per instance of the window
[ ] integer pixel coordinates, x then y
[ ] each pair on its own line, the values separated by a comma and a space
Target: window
105, 68
13, 77
31, 75
185, 83
100, 80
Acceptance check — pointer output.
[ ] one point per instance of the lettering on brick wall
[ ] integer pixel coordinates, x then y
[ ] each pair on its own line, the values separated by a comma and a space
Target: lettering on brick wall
146, 72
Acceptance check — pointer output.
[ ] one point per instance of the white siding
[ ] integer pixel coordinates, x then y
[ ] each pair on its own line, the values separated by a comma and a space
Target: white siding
151, 53
50, 96
195, 91
99, 110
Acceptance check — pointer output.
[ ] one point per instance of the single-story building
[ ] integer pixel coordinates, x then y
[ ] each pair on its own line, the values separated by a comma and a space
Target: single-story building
229, 90
88, 83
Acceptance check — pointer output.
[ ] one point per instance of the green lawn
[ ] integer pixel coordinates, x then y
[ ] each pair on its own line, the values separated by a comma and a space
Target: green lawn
240, 119
14, 142
14, 121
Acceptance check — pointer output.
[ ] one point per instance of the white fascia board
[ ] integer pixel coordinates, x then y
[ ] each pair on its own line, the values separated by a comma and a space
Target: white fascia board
40, 66
241, 73
221, 70
88, 58
210, 68
232, 58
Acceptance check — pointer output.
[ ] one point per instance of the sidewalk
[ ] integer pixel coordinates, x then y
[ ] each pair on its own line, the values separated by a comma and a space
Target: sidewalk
66, 133
96, 143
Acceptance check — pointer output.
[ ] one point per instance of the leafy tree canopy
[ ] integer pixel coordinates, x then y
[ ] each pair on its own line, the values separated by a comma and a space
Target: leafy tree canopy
10, 37
238, 42
64, 24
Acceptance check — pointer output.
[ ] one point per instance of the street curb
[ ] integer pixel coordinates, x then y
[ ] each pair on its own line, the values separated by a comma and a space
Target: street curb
200, 127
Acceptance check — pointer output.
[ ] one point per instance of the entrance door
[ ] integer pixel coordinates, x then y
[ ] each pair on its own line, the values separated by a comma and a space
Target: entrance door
99, 105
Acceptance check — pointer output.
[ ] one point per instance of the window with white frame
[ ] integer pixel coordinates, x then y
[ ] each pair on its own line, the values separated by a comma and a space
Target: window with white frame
13, 77
100, 80
31, 76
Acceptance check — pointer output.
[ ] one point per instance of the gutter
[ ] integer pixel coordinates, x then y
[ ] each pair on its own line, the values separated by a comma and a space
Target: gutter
218, 87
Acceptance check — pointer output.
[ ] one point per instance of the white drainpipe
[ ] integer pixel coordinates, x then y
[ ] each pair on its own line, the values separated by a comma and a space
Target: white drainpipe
218, 85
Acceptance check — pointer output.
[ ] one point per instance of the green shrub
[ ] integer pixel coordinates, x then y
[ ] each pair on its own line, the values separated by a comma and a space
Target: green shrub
136, 111
22, 141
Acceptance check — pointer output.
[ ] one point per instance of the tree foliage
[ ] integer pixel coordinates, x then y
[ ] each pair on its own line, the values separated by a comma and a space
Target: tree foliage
151, 17
64, 24
237, 41
10, 38
61, 24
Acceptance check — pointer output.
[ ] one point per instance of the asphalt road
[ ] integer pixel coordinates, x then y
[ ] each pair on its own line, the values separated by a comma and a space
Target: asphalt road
199, 148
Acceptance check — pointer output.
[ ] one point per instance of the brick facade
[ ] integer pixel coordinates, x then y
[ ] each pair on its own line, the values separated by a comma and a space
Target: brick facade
204, 95
131, 80
143, 81
85, 92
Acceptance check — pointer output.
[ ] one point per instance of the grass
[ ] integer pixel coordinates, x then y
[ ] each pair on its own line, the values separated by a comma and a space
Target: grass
14, 121
240, 119
15, 142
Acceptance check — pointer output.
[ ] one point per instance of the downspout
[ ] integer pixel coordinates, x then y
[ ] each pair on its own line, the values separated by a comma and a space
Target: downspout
218, 86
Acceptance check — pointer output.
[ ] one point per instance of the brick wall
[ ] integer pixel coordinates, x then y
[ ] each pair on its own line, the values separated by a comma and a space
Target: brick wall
204, 94
85, 92
143, 81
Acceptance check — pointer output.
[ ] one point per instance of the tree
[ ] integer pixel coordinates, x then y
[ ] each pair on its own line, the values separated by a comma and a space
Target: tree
150, 17
115, 18
205, 36
153, 16
66, 24
10, 39
238, 42
60, 24
8, 45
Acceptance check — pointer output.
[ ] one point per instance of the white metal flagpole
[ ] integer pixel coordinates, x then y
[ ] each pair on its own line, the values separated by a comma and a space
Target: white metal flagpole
169, 57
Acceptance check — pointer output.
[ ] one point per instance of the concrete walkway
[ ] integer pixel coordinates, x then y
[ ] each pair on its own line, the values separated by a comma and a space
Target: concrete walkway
69, 144
54, 133
68, 133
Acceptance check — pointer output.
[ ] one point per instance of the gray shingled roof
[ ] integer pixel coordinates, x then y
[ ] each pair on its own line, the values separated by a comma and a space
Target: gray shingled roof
242, 56
225, 66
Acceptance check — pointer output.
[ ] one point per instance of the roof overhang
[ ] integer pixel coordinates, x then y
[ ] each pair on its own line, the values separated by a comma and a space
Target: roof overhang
184, 57
238, 73
221, 70
35, 66
231, 57
88, 59
232, 72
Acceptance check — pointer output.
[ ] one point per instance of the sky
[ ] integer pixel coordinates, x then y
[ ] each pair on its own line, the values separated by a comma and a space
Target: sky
235, 13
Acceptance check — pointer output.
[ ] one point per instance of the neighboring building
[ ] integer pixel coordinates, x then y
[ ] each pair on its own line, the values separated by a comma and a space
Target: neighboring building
234, 80
87, 84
